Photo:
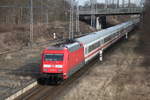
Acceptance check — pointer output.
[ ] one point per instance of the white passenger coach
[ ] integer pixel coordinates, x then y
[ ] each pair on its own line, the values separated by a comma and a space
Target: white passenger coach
95, 43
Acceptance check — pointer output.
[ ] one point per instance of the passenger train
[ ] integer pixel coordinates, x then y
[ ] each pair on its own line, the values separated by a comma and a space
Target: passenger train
63, 61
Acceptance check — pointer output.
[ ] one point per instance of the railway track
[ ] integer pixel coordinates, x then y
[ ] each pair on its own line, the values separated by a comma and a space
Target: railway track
50, 92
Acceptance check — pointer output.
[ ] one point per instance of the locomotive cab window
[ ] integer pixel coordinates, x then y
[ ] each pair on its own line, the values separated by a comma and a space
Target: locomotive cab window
53, 57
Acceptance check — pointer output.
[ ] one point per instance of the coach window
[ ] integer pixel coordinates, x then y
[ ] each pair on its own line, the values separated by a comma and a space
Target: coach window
94, 46
106, 39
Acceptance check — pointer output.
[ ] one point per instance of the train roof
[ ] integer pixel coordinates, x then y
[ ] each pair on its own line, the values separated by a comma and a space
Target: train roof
55, 48
70, 46
102, 34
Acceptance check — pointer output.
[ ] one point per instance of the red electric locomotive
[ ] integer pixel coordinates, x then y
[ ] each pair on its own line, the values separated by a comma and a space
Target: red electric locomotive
62, 61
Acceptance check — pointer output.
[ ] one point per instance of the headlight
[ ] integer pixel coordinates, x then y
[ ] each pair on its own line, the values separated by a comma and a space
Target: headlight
59, 66
47, 66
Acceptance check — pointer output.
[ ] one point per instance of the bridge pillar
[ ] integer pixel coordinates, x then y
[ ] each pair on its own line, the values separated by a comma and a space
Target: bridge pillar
101, 22
98, 24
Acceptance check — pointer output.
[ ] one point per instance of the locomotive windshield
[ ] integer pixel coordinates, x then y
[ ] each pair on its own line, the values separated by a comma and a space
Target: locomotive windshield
54, 57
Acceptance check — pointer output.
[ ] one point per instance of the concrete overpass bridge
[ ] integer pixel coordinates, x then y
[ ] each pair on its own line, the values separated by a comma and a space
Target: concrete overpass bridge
110, 11
98, 16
